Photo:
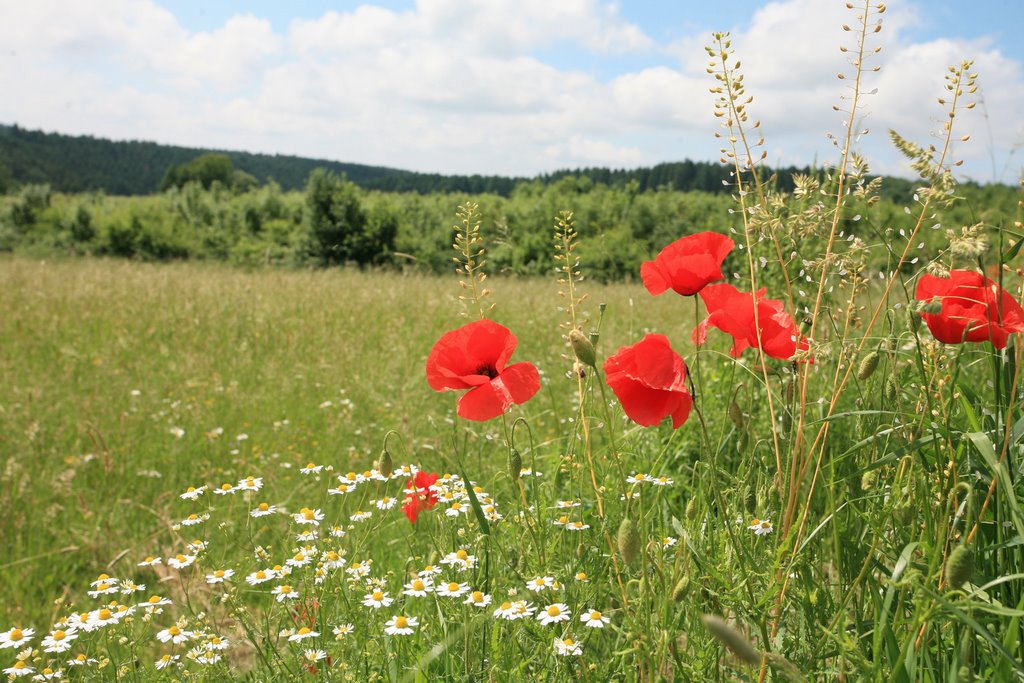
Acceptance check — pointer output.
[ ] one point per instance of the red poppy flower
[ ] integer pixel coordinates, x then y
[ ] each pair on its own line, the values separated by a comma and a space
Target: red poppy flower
688, 264
473, 357
974, 308
732, 311
419, 494
649, 379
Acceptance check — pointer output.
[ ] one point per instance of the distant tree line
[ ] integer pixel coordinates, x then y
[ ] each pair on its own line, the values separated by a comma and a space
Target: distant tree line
87, 164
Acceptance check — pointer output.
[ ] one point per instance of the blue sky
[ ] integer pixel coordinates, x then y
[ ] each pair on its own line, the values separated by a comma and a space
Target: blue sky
503, 86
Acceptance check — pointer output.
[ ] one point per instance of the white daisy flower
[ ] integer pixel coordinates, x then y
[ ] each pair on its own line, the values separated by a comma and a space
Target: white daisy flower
250, 484
332, 559
194, 519
59, 640
540, 583
358, 570
48, 674
308, 516
360, 516
103, 588
311, 468
377, 599
174, 634
418, 588
582, 577
385, 503
177, 432
150, 561
224, 489
342, 489
460, 559
761, 527
456, 509
302, 634
299, 560
576, 526
638, 478
451, 589
594, 619
552, 614
81, 660
307, 536
207, 657
342, 630
180, 561
154, 601
220, 576
263, 509
567, 647
400, 626
259, 576
668, 541
662, 481
478, 599
430, 570
313, 656
166, 661
192, 492
217, 643
337, 531
510, 611
18, 669
284, 592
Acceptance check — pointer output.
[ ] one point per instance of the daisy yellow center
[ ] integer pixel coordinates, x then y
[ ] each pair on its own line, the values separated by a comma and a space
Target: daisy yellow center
219, 573
766, 524
478, 596
47, 671
582, 576
304, 630
191, 489
755, 522
563, 520
299, 557
417, 585
568, 642
462, 554
367, 474
308, 514
538, 582
333, 556
103, 577
174, 631
594, 615
429, 568
215, 640
356, 565
261, 574
105, 614
401, 622
553, 611
165, 658
452, 587
250, 481
225, 487
377, 595
639, 476
286, 589
351, 476
193, 516
59, 635
80, 658
506, 605
456, 506
264, 507
148, 559
20, 664
16, 634
310, 466
180, 558
154, 599
277, 567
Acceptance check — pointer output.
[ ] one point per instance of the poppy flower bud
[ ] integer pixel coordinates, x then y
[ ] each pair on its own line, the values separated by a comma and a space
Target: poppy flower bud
582, 347
732, 639
691, 509
868, 365
679, 592
384, 463
736, 415
629, 540
959, 566
890, 390
515, 463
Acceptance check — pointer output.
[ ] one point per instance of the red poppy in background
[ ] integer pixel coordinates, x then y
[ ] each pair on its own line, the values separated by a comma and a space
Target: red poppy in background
688, 264
974, 308
732, 311
420, 494
473, 357
649, 379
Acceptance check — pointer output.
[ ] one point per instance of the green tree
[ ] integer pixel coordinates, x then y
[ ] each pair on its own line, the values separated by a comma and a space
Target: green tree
205, 169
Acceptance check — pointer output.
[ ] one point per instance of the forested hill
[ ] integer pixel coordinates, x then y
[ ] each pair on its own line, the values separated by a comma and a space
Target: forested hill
85, 163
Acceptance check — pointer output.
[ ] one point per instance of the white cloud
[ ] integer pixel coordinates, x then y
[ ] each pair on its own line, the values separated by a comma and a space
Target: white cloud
451, 86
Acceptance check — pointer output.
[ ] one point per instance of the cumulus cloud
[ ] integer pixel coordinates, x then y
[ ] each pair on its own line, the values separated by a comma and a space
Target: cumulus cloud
481, 87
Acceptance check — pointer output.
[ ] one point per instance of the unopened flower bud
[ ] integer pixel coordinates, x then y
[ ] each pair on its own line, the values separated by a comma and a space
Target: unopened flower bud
732, 639
515, 463
890, 390
736, 414
582, 347
679, 592
629, 540
691, 509
959, 566
868, 365
384, 463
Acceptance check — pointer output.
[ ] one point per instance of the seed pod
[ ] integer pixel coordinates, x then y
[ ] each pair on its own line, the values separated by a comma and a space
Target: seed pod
959, 566
736, 415
384, 463
515, 463
732, 639
582, 347
868, 365
868, 480
679, 592
889, 391
691, 509
629, 540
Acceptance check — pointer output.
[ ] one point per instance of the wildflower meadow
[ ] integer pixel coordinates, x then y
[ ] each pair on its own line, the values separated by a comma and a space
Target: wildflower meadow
789, 449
